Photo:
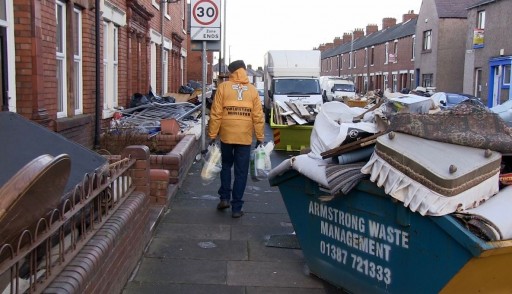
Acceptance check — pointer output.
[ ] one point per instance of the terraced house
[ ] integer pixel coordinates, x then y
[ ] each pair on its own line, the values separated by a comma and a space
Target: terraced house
373, 58
452, 46
69, 64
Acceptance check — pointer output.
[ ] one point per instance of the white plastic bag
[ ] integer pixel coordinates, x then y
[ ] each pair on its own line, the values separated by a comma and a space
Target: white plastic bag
261, 165
212, 164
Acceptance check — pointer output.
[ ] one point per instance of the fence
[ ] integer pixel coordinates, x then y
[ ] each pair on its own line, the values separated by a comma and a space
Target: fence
39, 255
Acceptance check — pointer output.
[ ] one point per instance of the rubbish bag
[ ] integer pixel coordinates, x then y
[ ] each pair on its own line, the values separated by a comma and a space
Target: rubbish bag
212, 164
138, 99
186, 90
260, 164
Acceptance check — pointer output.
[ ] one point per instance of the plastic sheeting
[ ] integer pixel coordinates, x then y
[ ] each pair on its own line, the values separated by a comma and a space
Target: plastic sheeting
334, 127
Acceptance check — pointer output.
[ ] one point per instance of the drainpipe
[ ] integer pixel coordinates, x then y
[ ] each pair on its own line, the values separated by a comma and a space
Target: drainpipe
224, 41
162, 35
4, 69
98, 102
162, 4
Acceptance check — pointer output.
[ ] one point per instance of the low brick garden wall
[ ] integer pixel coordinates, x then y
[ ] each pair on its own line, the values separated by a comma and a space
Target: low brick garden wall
106, 262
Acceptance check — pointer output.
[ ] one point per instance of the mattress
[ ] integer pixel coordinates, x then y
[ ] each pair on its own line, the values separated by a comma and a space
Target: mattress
445, 168
433, 178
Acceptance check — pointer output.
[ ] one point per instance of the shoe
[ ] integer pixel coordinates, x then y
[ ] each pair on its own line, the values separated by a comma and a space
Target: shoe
237, 214
223, 204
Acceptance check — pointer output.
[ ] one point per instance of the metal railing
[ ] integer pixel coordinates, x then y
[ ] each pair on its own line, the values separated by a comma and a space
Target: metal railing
39, 255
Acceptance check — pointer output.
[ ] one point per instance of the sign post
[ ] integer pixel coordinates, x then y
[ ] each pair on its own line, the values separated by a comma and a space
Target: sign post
205, 26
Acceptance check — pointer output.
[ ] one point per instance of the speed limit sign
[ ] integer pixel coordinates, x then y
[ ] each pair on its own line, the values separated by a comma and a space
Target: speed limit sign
205, 19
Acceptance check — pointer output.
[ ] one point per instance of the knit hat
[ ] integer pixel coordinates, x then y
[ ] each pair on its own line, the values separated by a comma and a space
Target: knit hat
233, 66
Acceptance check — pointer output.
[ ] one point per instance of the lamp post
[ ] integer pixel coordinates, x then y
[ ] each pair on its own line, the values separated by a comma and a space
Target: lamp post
163, 9
352, 56
224, 40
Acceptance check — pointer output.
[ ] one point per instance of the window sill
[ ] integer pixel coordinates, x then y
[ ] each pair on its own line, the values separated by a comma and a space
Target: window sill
65, 123
108, 113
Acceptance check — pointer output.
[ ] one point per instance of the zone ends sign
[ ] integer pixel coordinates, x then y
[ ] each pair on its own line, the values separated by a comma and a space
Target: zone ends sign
205, 20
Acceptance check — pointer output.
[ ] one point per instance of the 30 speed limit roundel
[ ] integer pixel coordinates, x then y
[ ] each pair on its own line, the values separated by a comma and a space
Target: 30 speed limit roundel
205, 13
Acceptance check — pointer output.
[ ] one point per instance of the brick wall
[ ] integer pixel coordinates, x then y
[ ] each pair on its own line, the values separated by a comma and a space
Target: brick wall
159, 186
179, 160
195, 64
105, 263
35, 55
405, 62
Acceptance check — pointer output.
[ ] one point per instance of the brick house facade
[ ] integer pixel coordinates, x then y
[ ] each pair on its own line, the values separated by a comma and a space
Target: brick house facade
49, 66
374, 59
195, 64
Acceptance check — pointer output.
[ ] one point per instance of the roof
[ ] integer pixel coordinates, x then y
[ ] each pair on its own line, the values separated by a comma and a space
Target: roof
224, 68
480, 3
453, 9
253, 72
398, 31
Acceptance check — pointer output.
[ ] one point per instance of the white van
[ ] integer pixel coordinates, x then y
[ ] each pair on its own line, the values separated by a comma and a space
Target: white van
336, 88
291, 75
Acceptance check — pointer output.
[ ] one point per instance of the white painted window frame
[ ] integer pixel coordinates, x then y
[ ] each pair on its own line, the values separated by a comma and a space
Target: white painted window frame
427, 40
113, 19
413, 53
156, 40
110, 67
78, 64
62, 103
386, 54
396, 51
165, 64
8, 23
480, 19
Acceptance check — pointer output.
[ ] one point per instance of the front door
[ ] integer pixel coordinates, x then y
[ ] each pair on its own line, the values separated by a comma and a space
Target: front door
478, 83
496, 85
499, 80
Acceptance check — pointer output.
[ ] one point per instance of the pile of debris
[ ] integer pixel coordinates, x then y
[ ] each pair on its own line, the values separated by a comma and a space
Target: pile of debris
293, 113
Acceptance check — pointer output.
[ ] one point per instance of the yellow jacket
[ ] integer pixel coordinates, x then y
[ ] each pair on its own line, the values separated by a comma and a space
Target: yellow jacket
236, 111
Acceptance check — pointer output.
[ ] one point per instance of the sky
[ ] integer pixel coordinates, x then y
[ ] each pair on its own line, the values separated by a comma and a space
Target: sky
252, 27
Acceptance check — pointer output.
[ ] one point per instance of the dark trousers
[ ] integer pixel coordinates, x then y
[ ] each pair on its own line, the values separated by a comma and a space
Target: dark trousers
239, 156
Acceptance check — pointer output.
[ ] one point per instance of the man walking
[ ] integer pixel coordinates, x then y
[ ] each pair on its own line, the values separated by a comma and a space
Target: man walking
236, 115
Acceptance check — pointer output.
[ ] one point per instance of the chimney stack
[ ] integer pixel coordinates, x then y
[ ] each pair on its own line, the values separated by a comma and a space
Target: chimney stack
337, 41
329, 46
388, 22
409, 15
358, 33
371, 28
347, 38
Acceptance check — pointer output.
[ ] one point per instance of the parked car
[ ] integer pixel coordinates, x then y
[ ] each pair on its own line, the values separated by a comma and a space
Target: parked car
504, 110
447, 100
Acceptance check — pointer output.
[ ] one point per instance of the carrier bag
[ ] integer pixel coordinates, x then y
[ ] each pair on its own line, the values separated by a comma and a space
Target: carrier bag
260, 164
212, 164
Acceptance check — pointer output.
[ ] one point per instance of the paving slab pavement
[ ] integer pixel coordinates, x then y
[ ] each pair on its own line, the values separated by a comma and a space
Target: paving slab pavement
198, 249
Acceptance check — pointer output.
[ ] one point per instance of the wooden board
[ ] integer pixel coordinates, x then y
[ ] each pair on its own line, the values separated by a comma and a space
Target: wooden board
181, 97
